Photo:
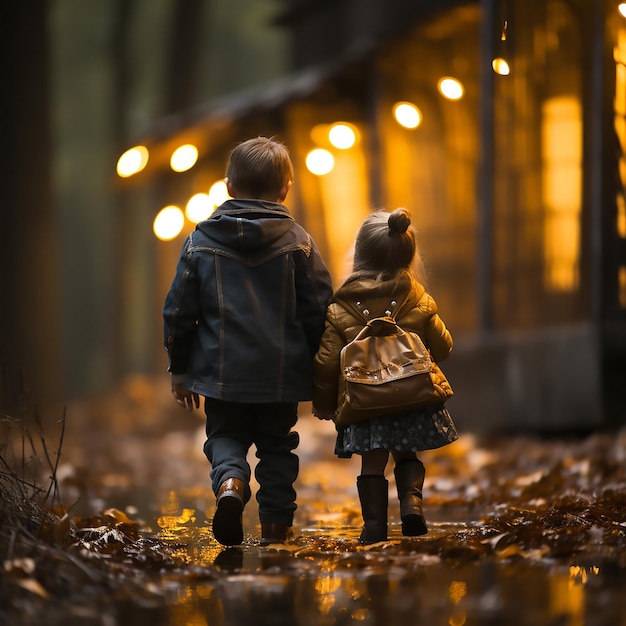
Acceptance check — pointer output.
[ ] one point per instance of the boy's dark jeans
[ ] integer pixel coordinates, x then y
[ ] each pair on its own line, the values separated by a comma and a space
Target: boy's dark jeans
232, 428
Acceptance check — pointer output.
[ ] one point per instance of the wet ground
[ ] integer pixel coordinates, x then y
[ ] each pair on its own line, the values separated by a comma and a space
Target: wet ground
522, 530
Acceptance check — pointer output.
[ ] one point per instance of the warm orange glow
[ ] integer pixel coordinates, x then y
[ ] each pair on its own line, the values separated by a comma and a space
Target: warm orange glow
132, 161
621, 277
458, 619
407, 114
619, 103
168, 223
319, 134
451, 88
621, 216
457, 591
562, 191
184, 158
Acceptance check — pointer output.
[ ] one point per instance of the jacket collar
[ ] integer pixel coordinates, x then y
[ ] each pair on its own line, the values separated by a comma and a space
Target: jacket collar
360, 293
252, 208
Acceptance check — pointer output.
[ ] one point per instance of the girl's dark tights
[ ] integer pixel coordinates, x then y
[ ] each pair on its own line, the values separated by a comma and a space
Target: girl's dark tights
375, 461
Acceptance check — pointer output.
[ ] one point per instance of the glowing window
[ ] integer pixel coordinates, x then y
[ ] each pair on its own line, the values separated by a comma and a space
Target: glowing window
562, 191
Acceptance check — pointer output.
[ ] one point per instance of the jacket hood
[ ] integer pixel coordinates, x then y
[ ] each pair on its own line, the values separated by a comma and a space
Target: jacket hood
247, 225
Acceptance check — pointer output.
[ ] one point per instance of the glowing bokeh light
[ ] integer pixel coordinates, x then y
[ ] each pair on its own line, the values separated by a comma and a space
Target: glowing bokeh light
168, 223
407, 114
320, 161
132, 161
199, 207
622, 8
218, 193
342, 136
500, 66
451, 88
184, 158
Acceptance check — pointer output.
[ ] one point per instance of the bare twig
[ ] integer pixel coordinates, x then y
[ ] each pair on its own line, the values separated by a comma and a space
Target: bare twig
53, 487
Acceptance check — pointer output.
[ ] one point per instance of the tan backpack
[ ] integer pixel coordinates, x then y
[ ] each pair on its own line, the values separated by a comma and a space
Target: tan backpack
387, 370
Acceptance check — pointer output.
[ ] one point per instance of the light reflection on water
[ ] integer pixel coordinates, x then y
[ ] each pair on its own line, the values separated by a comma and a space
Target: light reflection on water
268, 590
325, 578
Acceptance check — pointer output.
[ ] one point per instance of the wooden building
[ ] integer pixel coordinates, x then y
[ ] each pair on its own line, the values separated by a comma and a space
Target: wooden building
515, 181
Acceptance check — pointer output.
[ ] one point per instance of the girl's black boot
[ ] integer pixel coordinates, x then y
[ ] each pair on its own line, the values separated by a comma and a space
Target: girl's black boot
374, 495
409, 481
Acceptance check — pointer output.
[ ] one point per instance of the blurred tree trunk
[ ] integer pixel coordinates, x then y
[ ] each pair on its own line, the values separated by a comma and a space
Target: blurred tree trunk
123, 237
182, 73
29, 254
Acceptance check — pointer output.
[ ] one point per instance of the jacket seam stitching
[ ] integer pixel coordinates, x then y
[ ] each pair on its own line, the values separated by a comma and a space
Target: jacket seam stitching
245, 260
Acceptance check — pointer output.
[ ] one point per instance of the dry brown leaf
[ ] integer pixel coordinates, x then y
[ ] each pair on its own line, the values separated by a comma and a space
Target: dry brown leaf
33, 585
119, 516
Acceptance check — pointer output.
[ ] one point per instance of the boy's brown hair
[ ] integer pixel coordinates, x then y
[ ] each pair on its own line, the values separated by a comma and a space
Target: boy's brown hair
260, 168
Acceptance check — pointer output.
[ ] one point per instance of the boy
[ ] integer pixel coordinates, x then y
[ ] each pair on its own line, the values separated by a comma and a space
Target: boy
242, 322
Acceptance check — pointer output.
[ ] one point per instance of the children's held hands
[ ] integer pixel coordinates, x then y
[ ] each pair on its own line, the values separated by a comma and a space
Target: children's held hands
185, 398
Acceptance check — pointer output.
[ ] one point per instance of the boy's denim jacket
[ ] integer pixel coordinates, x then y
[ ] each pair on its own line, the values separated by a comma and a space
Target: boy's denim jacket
246, 309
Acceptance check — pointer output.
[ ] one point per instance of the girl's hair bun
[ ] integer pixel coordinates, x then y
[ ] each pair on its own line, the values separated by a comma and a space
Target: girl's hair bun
399, 221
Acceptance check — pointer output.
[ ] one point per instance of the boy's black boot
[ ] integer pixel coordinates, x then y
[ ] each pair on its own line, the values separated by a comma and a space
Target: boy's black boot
274, 533
227, 521
409, 481
374, 496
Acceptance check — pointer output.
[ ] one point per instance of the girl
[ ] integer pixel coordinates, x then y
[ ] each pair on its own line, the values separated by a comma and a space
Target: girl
384, 281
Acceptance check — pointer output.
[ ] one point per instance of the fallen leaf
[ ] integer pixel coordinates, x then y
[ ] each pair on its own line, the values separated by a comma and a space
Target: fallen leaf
119, 516
33, 585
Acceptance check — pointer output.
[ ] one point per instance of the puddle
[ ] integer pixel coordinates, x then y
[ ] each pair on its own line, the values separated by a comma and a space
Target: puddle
323, 577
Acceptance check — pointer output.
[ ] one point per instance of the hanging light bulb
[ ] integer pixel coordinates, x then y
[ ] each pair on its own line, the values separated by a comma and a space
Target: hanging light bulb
132, 161
505, 28
500, 66
218, 193
451, 88
320, 161
342, 135
198, 207
184, 158
168, 223
407, 114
